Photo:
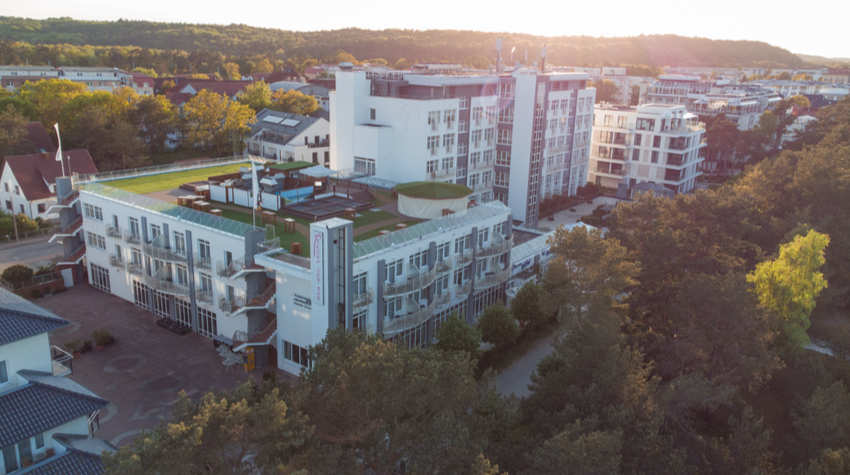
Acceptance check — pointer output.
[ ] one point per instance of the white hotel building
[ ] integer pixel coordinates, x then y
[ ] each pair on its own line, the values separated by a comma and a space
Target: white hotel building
515, 138
651, 143
224, 280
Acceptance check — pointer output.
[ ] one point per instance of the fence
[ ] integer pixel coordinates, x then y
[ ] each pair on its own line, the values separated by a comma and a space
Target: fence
133, 172
27, 235
36, 280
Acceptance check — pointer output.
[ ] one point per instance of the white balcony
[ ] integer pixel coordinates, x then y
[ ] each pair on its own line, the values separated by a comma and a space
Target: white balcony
114, 232
464, 258
204, 296
135, 268
416, 280
162, 282
495, 248
403, 322
492, 279
116, 261
230, 305
63, 362
157, 250
364, 300
132, 238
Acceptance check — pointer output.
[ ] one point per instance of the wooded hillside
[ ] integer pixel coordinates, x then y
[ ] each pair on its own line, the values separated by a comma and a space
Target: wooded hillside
235, 41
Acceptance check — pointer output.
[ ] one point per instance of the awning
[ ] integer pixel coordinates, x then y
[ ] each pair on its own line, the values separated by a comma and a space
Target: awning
318, 172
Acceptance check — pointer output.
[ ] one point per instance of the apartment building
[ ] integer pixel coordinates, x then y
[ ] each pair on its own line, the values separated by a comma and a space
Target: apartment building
742, 104
188, 266
46, 420
791, 88
652, 143
515, 138
401, 285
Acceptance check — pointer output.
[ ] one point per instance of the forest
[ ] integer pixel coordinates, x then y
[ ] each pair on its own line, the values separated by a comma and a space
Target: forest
180, 47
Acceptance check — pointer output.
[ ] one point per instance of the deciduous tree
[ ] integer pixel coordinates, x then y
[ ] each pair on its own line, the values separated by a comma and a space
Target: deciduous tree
13, 133
257, 96
498, 326
455, 334
293, 102
528, 305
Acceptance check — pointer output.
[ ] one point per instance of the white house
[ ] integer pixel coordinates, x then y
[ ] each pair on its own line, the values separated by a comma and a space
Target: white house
28, 182
46, 420
650, 143
516, 138
285, 137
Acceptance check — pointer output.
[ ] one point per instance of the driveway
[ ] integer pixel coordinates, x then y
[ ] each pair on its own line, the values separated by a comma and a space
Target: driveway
146, 367
34, 252
516, 378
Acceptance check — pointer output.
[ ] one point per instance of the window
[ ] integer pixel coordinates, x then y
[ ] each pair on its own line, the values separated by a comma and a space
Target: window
636, 155
488, 136
448, 163
10, 459
502, 179
463, 126
637, 139
656, 141
207, 324
645, 124
433, 119
449, 142
206, 283
500, 228
394, 270
4, 373
432, 166
460, 275
461, 149
483, 236
654, 157
443, 251
505, 136
155, 231
506, 90
488, 156
474, 158
621, 121
462, 244
359, 284
476, 138
464, 103
449, 118
503, 197
134, 226
6, 186
393, 307
179, 243
100, 278
23, 211
371, 114
461, 172
92, 212
17, 190
506, 115
95, 241
181, 275
433, 143
490, 112
503, 158
418, 259
608, 121
476, 115
39, 441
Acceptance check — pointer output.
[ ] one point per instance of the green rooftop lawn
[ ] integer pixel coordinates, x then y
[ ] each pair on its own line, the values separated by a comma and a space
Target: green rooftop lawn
433, 190
377, 232
371, 217
292, 165
170, 181
286, 239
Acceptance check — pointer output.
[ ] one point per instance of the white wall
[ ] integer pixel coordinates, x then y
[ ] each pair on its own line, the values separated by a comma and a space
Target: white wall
31, 353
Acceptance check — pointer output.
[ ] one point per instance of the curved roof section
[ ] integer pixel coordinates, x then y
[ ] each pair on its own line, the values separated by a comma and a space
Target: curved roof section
433, 190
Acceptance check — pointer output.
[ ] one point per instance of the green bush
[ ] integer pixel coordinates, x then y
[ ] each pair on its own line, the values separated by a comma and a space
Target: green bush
102, 337
17, 274
72, 346
498, 326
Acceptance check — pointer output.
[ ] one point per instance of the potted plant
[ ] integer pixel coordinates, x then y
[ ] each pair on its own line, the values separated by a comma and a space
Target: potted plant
73, 347
101, 338
87, 346
26, 462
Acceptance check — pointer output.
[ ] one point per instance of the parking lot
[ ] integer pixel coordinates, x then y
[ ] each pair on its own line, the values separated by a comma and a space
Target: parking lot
143, 371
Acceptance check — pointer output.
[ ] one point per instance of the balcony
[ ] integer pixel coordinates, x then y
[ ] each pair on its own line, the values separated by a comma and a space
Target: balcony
400, 323
580, 144
203, 263
495, 248
114, 232
116, 261
434, 151
464, 258
618, 171
675, 159
556, 149
204, 296
135, 268
132, 237
158, 250
237, 268
556, 166
484, 185
481, 164
492, 279
463, 289
162, 282
443, 298
63, 362
678, 145
68, 230
415, 281
74, 257
444, 173
230, 305
444, 266
364, 300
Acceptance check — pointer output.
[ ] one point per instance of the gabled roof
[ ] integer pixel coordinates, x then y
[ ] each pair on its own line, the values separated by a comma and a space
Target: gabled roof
290, 125
40, 406
21, 319
178, 98
70, 462
37, 135
84, 444
34, 172
228, 88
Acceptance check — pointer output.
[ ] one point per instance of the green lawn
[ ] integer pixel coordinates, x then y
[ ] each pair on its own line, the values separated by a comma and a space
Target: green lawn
371, 217
377, 232
298, 219
286, 239
170, 181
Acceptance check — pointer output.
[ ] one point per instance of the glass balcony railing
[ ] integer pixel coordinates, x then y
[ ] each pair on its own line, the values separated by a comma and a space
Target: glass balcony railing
495, 248
162, 282
492, 279
415, 281
403, 322
364, 300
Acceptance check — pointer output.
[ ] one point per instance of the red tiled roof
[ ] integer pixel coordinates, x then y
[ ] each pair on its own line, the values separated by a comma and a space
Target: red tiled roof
37, 135
35, 171
178, 98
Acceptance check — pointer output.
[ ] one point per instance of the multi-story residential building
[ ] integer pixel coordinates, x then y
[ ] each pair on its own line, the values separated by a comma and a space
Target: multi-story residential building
46, 419
13, 77
836, 76
652, 143
742, 104
513, 137
96, 79
191, 267
402, 285
28, 182
283, 137
791, 88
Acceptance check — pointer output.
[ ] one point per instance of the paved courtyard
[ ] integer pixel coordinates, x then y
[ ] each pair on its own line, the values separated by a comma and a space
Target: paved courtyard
146, 367
570, 217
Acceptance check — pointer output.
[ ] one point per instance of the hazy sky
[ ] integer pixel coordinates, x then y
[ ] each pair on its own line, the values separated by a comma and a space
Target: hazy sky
817, 28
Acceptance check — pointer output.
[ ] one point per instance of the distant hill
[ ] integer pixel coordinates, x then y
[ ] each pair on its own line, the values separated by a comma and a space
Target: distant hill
810, 58
241, 41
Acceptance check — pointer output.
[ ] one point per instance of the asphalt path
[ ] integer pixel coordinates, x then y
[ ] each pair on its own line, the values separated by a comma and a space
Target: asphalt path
33, 252
516, 378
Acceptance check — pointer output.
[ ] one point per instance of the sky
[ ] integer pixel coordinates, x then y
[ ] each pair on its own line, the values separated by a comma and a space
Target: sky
777, 23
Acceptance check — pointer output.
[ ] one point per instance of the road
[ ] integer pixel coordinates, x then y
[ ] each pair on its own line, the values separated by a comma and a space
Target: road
516, 378
33, 252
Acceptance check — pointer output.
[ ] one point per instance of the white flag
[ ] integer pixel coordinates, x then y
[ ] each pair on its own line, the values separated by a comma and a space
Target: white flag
59, 139
256, 186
